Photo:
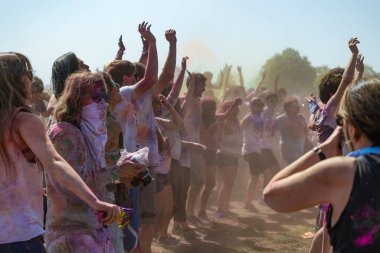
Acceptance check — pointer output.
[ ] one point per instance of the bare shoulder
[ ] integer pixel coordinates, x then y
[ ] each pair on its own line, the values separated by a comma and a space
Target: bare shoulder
28, 122
339, 170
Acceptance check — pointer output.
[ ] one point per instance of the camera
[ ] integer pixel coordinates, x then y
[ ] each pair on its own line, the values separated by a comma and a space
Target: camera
143, 177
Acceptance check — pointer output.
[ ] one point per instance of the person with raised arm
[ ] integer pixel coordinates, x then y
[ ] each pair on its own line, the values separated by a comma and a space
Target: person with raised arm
163, 185
348, 184
331, 89
180, 166
227, 156
323, 120
135, 114
24, 142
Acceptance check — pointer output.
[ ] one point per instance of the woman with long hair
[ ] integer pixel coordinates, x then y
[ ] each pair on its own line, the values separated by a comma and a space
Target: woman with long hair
209, 137
63, 67
24, 144
349, 184
227, 158
79, 135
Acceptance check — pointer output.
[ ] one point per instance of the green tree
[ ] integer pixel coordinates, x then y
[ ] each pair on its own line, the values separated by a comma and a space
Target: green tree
370, 72
295, 72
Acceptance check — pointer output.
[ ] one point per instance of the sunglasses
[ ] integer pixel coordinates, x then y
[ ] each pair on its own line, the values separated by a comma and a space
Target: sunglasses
98, 93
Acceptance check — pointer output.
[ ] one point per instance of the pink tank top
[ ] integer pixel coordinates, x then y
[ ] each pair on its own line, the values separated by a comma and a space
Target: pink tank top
21, 208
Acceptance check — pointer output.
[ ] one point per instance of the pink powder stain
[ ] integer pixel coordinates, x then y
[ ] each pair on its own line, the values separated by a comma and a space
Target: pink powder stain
366, 239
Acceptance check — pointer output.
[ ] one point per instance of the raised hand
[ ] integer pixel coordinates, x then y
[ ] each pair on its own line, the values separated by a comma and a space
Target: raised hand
360, 63
352, 44
163, 100
184, 62
170, 36
146, 34
121, 44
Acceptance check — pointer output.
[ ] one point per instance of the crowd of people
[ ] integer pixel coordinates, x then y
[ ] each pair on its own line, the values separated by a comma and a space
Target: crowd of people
64, 189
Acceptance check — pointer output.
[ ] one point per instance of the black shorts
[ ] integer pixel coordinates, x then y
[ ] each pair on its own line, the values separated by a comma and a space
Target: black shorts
210, 157
224, 160
269, 158
256, 163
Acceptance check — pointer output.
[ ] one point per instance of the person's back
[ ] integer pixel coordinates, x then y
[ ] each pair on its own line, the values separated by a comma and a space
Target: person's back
357, 229
21, 208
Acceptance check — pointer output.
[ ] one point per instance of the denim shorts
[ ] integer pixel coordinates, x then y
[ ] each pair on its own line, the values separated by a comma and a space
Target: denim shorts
34, 245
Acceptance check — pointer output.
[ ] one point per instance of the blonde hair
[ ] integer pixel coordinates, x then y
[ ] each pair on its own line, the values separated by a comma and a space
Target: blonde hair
360, 107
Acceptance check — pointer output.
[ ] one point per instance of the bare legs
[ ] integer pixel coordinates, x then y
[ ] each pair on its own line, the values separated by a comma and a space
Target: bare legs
229, 175
210, 182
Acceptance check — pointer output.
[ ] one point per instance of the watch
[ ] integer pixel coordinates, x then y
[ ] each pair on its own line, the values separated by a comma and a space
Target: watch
319, 152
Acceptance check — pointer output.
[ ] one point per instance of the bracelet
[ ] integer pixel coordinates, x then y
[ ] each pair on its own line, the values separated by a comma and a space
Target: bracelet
319, 152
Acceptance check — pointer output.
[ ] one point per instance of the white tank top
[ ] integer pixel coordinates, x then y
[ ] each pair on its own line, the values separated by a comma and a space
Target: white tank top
21, 208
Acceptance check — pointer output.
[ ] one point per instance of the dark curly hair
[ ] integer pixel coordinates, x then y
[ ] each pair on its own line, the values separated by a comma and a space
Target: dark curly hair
329, 84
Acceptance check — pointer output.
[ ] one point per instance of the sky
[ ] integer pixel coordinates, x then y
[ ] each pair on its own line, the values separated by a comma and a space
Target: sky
211, 32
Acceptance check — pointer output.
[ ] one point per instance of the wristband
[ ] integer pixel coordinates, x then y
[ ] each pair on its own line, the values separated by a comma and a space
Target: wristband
319, 152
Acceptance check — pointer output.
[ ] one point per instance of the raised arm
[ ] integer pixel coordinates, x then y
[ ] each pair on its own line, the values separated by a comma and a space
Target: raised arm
222, 116
309, 181
348, 74
32, 131
241, 79
151, 70
258, 89
220, 81
189, 94
359, 67
144, 52
120, 52
176, 89
167, 74
175, 121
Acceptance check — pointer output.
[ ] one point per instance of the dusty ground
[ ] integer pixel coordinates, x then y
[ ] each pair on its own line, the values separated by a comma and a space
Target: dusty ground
245, 231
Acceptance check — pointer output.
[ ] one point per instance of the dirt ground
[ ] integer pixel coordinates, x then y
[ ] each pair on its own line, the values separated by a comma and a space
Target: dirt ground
262, 230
